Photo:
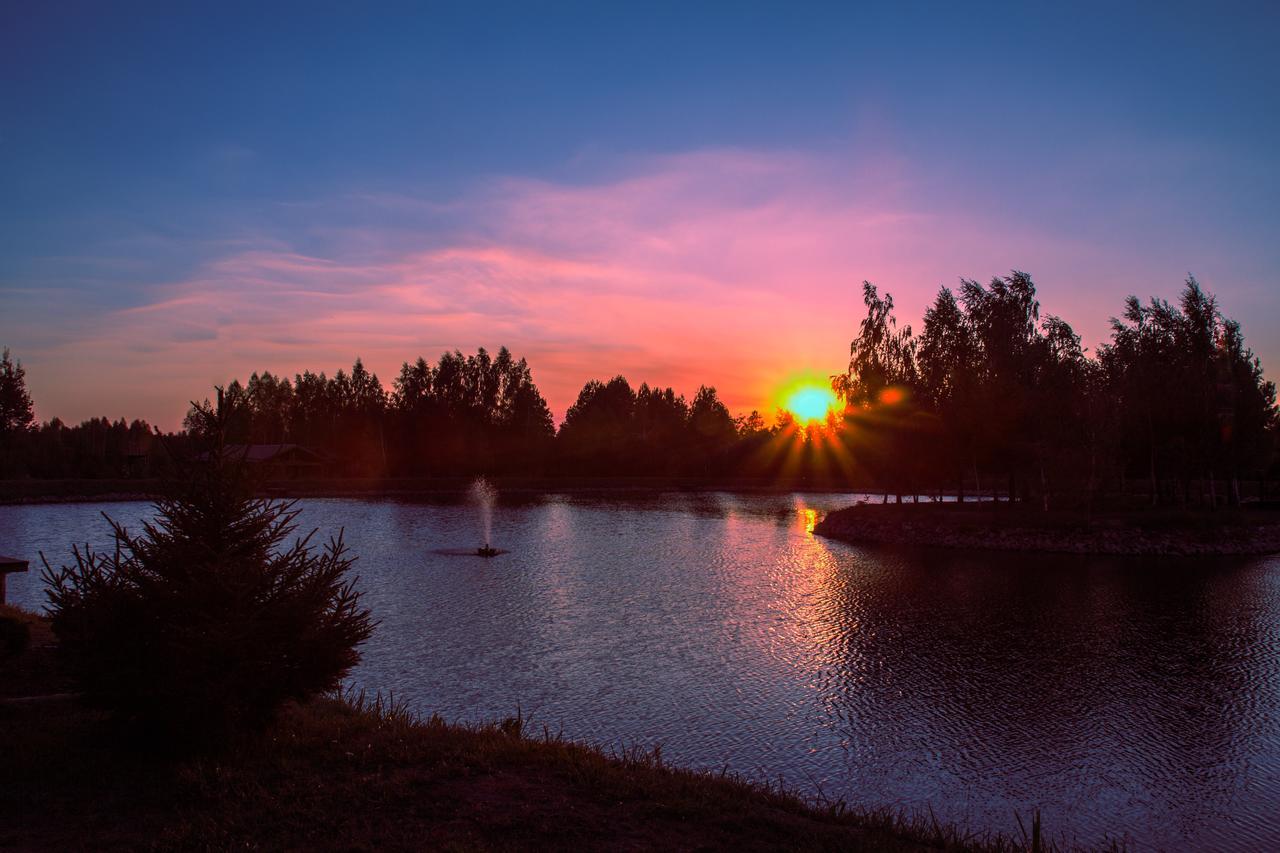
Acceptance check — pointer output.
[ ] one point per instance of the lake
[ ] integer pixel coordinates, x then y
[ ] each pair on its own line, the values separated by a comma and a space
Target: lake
1126, 697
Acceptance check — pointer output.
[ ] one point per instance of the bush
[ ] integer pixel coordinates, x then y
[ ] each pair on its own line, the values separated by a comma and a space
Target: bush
200, 628
15, 636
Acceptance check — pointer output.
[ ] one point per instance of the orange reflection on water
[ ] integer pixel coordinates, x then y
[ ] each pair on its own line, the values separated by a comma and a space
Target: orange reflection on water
810, 519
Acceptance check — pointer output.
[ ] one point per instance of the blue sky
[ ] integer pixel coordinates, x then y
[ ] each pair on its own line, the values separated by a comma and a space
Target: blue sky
193, 193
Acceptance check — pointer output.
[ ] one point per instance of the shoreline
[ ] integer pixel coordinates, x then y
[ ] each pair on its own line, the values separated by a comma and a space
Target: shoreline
980, 525
352, 773
1151, 532
23, 492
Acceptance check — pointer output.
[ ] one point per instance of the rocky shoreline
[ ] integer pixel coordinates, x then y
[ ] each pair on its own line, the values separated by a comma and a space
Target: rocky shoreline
992, 529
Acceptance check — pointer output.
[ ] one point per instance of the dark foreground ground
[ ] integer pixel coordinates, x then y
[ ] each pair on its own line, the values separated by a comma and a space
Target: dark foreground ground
355, 775
1020, 527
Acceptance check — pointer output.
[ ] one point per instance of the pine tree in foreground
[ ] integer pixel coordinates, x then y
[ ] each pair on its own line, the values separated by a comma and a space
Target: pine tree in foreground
202, 626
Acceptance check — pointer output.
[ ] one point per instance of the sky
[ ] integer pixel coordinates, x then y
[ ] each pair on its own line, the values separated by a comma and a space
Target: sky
683, 194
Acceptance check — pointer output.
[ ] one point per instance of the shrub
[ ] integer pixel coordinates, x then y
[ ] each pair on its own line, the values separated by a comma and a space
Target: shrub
201, 627
15, 636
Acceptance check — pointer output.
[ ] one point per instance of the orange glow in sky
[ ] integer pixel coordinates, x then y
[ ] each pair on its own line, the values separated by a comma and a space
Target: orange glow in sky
723, 267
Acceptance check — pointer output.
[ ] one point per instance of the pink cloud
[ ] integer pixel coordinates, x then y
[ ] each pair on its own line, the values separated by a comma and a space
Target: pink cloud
730, 268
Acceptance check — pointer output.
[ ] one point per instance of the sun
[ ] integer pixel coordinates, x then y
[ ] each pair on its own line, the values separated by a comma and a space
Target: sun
809, 401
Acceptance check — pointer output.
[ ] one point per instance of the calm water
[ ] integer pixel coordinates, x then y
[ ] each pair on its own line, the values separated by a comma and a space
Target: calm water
1139, 699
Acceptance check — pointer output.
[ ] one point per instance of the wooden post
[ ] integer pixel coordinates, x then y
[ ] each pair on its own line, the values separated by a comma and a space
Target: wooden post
7, 566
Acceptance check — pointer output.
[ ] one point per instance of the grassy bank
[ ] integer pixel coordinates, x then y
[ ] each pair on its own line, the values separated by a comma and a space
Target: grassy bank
1021, 527
354, 775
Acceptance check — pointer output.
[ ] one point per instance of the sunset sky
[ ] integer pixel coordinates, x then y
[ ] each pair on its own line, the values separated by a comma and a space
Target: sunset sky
682, 194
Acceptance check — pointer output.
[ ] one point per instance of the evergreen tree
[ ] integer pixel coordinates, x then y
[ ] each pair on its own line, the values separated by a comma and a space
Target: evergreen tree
16, 411
202, 625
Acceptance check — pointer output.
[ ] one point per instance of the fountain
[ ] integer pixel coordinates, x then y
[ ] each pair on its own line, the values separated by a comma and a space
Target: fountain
483, 495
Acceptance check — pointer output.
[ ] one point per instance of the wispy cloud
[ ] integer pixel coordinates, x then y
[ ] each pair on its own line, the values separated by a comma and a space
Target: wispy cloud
733, 268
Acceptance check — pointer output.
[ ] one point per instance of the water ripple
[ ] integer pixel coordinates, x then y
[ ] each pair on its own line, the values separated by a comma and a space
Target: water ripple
1137, 698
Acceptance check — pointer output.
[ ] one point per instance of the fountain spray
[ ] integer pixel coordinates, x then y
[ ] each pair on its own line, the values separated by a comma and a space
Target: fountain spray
484, 495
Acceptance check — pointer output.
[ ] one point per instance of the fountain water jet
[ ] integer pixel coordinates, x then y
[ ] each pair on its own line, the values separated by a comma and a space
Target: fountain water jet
484, 495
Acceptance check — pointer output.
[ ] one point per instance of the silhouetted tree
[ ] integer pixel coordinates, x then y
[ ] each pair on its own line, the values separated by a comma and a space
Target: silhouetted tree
16, 411
877, 390
313, 420
948, 384
270, 402
750, 424
1175, 393
470, 414
17, 415
1057, 408
712, 429
1175, 398
1178, 375
1003, 317
202, 625
1247, 415
882, 356
597, 428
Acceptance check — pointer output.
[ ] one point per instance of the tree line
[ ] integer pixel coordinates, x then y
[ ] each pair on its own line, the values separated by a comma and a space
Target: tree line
463, 415
478, 414
459, 416
98, 448
1173, 409
990, 396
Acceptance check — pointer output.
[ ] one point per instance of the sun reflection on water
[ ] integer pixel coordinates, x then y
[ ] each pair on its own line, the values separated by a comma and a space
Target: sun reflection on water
810, 519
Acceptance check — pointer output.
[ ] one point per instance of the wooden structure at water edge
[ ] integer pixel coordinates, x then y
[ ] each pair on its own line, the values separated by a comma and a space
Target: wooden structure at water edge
8, 565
